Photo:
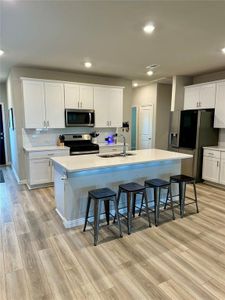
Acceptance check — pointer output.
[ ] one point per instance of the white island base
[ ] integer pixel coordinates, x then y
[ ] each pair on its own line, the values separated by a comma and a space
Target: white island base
73, 178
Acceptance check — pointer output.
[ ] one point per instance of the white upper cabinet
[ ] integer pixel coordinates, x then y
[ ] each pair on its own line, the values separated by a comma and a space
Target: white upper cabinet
200, 96
43, 104
191, 97
79, 96
101, 107
108, 105
54, 102
219, 120
72, 95
86, 96
207, 95
115, 107
34, 104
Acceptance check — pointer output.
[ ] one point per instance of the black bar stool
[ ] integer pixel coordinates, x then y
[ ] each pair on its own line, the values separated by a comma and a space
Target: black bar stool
157, 185
99, 195
183, 180
132, 189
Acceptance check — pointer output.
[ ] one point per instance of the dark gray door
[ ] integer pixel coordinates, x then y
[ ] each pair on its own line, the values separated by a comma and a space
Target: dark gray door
2, 138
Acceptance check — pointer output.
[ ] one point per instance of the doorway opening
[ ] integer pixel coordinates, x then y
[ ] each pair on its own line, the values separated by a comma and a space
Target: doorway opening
146, 127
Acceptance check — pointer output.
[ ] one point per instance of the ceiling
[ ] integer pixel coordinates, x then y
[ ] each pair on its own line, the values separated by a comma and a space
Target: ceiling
187, 40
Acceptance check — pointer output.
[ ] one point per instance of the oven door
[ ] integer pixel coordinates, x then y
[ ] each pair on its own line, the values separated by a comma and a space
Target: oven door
79, 118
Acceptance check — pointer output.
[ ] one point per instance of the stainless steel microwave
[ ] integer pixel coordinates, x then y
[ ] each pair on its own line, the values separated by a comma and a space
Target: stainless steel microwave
79, 118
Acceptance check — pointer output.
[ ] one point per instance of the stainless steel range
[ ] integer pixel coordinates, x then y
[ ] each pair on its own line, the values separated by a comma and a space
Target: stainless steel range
80, 144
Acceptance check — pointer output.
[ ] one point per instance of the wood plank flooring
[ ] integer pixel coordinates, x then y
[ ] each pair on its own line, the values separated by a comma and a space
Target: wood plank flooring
40, 259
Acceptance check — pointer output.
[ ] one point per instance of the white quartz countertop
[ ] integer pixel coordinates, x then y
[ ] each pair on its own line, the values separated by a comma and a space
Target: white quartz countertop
45, 148
219, 148
90, 162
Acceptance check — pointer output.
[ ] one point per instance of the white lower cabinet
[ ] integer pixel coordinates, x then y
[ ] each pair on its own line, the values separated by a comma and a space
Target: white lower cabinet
222, 168
39, 166
214, 166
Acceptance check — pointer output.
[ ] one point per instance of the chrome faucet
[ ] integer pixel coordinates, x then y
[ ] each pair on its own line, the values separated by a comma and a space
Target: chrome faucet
124, 153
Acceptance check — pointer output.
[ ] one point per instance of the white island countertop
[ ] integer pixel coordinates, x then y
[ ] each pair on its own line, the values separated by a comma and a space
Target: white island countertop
90, 162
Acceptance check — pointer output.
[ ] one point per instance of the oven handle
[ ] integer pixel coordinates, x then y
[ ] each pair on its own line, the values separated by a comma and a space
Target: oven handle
89, 118
84, 152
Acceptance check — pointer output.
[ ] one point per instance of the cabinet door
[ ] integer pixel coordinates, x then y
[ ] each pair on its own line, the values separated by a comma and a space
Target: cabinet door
207, 95
210, 169
34, 103
219, 120
86, 97
115, 107
40, 171
222, 171
72, 96
101, 96
54, 101
191, 97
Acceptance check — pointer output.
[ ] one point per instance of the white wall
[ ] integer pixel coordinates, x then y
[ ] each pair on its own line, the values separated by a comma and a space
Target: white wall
3, 99
14, 89
212, 77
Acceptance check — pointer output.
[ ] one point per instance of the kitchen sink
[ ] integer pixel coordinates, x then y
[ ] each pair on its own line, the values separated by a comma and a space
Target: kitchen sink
108, 155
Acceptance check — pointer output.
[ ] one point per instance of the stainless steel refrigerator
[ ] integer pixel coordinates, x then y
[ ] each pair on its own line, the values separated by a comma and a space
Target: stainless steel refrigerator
190, 131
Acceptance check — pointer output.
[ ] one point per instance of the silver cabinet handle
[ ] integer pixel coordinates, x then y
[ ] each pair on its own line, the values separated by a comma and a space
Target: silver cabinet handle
44, 124
47, 123
218, 163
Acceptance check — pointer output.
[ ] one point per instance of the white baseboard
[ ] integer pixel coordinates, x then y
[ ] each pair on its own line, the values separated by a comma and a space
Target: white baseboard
23, 181
70, 223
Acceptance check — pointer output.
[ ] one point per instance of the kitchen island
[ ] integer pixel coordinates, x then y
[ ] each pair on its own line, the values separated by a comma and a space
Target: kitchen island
74, 176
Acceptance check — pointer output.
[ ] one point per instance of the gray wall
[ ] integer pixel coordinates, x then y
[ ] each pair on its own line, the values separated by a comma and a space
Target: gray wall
14, 90
164, 92
3, 99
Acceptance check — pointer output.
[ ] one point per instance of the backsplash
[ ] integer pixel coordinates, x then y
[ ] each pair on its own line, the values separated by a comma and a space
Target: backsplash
222, 138
48, 137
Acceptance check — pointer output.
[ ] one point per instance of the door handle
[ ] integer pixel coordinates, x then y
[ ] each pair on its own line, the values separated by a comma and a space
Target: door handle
64, 177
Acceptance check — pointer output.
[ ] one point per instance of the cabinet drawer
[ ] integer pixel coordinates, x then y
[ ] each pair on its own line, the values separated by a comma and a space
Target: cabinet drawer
222, 155
212, 153
43, 154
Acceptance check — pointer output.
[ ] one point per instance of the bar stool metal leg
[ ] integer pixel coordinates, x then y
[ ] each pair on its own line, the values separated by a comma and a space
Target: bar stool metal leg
106, 204
169, 193
129, 212
97, 208
183, 192
87, 212
196, 199
134, 204
156, 200
117, 215
147, 209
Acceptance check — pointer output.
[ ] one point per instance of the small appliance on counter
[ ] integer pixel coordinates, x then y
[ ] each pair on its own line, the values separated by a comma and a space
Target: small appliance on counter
80, 144
94, 136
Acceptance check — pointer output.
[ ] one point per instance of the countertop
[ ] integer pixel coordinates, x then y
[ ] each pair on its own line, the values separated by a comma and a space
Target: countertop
219, 148
45, 148
90, 162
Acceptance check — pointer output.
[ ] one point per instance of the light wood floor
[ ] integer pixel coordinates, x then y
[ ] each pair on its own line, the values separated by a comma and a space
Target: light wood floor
39, 259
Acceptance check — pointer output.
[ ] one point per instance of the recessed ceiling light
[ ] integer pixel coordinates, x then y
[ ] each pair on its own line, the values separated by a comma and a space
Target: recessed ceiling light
223, 50
149, 28
135, 84
88, 64
150, 73
1, 52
